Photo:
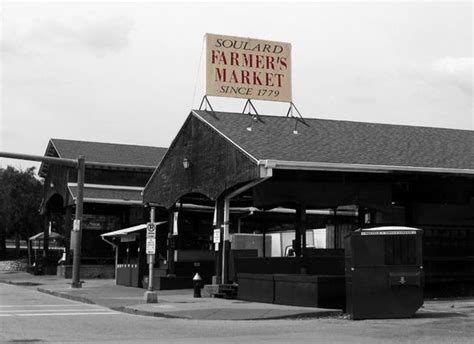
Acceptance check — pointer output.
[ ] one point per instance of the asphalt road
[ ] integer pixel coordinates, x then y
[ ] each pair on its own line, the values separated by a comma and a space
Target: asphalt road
27, 316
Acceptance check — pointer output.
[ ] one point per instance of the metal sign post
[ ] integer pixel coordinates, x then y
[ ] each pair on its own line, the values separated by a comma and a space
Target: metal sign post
150, 251
150, 295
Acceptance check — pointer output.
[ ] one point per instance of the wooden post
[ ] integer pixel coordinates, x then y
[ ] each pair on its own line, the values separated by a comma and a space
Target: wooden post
67, 230
303, 227
218, 254
264, 231
116, 248
46, 225
300, 229
171, 248
360, 216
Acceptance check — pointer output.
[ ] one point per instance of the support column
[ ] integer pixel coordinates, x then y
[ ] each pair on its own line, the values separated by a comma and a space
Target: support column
360, 216
67, 231
46, 235
264, 232
300, 230
171, 242
225, 242
408, 209
297, 240
219, 208
116, 248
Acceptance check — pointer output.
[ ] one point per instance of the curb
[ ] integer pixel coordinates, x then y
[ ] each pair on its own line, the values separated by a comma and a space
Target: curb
133, 311
314, 315
66, 296
21, 283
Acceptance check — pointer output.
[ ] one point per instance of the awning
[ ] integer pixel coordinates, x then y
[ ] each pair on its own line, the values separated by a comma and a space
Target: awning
125, 231
108, 194
40, 236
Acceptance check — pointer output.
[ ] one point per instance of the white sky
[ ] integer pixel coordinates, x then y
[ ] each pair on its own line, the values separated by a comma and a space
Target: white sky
126, 72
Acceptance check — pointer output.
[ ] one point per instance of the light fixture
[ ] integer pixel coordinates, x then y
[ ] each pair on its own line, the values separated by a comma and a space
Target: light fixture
253, 118
51, 184
186, 163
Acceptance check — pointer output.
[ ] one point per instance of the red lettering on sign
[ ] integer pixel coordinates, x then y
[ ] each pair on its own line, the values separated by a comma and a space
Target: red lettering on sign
234, 59
245, 77
221, 74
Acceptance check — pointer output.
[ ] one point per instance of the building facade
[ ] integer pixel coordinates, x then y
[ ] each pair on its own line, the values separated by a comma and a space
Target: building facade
385, 174
114, 180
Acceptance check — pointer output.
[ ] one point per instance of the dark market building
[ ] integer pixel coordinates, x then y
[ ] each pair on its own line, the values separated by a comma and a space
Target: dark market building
385, 174
114, 180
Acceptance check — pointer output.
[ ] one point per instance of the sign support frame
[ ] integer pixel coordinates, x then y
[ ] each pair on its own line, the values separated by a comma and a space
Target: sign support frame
205, 101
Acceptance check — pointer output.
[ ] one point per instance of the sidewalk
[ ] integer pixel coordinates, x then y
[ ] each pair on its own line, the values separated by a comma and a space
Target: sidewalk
171, 303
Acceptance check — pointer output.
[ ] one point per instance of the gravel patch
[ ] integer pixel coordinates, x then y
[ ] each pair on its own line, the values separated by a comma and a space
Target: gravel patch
13, 265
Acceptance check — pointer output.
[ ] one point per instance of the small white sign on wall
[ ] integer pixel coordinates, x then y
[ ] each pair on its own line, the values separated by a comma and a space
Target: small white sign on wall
217, 236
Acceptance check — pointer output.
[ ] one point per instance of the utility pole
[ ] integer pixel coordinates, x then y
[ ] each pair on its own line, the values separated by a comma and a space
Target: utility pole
77, 227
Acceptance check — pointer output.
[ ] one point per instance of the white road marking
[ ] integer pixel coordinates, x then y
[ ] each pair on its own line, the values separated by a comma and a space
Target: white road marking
51, 310
53, 314
67, 308
57, 305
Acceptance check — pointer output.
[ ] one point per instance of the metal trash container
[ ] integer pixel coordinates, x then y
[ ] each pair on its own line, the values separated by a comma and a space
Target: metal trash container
384, 272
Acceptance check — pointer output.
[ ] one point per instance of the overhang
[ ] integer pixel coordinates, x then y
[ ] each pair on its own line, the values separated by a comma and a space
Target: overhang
269, 165
126, 231
108, 194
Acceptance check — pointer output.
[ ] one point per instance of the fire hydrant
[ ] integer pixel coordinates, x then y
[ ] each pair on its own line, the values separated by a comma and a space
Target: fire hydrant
197, 284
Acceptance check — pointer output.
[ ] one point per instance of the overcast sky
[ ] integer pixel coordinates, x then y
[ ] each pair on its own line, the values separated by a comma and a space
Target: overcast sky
130, 72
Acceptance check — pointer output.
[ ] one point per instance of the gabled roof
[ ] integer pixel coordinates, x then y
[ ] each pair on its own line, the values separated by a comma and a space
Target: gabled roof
346, 143
105, 154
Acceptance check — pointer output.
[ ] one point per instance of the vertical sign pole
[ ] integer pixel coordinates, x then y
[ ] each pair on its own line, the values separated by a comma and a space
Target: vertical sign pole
150, 295
81, 169
151, 257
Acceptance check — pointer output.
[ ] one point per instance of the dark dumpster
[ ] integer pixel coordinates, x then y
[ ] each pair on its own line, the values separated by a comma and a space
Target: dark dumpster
324, 291
384, 272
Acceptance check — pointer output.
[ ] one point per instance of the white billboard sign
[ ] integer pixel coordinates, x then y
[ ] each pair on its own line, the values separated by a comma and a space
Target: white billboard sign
248, 68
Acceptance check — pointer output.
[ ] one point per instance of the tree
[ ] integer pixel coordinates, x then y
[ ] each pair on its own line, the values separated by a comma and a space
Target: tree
20, 200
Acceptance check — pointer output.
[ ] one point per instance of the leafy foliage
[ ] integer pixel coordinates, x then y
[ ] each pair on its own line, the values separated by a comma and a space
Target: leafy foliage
20, 199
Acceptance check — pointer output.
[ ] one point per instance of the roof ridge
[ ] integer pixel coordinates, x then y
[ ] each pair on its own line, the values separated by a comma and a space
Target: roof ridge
107, 143
342, 120
346, 142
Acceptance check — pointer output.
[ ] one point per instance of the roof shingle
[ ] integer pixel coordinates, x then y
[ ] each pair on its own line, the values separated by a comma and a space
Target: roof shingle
104, 153
332, 141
